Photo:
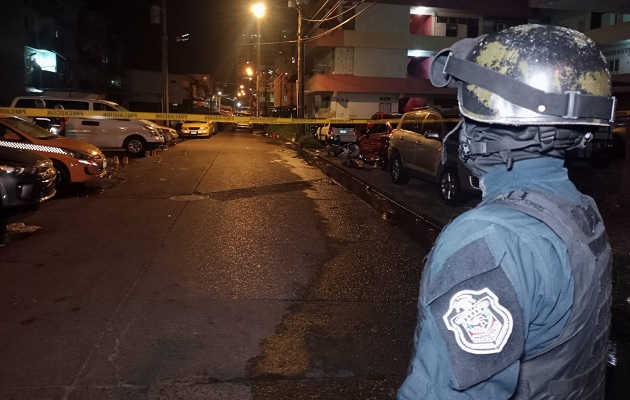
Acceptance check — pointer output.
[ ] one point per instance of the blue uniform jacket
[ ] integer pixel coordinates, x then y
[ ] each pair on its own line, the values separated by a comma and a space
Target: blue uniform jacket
496, 289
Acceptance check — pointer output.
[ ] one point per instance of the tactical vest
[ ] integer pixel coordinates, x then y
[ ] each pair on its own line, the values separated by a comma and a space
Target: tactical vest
574, 365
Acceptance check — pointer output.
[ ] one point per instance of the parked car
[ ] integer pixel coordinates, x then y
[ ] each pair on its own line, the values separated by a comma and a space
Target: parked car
242, 124
337, 132
198, 129
374, 142
415, 150
75, 161
384, 115
171, 137
134, 136
220, 126
26, 178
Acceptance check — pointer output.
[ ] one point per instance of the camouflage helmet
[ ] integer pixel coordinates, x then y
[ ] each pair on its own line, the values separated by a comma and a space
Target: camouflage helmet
529, 75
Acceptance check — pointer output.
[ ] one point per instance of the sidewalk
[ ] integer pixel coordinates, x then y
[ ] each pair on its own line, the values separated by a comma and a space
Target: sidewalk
610, 187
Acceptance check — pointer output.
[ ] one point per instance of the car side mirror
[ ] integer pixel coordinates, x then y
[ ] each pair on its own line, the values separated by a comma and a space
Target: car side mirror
432, 135
11, 136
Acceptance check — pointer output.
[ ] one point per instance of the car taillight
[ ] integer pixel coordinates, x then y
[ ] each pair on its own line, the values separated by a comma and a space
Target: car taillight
330, 131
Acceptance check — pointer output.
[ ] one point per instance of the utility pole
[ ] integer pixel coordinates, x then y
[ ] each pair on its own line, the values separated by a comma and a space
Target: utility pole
300, 68
165, 97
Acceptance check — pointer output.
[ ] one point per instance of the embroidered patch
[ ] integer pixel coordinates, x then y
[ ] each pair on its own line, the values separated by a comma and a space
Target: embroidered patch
480, 324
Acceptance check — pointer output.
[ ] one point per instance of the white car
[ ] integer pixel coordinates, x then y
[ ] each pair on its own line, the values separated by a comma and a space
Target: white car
337, 132
242, 124
134, 136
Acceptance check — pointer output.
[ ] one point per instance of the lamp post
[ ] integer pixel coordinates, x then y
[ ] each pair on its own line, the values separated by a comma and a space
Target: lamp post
259, 11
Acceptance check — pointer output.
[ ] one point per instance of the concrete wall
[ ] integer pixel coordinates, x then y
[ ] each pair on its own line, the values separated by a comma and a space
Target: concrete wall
382, 18
357, 105
380, 62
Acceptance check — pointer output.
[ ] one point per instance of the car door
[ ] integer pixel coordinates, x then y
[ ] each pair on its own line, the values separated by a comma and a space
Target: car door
80, 128
428, 149
109, 132
409, 137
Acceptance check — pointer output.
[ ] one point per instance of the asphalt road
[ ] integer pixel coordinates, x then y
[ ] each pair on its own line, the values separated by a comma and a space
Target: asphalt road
220, 268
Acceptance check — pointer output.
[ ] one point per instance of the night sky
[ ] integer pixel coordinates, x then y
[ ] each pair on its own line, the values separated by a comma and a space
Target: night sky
213, 25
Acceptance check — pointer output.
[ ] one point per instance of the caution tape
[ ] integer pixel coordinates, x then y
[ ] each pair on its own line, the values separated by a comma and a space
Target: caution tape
44, 112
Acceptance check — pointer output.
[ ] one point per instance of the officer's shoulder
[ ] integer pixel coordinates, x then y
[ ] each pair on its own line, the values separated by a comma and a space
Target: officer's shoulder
498, 219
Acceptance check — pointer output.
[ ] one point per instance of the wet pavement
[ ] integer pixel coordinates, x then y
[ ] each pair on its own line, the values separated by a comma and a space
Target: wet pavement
414, 208
418, 210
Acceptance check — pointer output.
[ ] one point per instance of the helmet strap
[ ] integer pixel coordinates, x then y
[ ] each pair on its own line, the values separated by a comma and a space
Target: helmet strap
570, 105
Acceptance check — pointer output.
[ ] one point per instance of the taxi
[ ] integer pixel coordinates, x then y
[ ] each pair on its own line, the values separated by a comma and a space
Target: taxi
75, 161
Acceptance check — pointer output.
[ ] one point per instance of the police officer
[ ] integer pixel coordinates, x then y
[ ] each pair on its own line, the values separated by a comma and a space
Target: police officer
515, 295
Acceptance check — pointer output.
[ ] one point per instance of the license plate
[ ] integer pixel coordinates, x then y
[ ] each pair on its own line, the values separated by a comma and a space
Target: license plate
193, 132
343, 131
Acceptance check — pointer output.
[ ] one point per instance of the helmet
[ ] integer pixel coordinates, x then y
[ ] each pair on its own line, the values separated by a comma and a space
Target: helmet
529, 75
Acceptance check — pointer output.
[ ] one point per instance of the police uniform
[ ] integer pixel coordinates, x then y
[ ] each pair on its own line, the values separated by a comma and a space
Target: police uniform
498, 291
515, 296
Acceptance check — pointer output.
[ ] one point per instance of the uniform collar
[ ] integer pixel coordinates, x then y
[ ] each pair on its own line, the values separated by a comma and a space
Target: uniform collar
541, 173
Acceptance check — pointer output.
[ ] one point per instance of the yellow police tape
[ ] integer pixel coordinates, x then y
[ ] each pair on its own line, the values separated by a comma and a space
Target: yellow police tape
44, 112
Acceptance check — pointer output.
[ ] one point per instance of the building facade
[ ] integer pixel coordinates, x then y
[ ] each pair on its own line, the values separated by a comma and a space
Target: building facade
52, 44
379, 61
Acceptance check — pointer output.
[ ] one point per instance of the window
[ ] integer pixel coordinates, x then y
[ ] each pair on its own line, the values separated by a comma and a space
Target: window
103, 107
613, 66
432, 124
68, 104
412, 122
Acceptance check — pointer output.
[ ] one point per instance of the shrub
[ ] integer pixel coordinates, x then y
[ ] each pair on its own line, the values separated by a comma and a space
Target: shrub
309, 142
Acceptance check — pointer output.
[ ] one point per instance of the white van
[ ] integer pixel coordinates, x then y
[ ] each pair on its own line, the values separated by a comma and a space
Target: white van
134, 136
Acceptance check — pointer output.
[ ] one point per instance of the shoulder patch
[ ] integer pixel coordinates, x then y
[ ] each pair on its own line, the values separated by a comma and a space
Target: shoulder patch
480, 323
477, 314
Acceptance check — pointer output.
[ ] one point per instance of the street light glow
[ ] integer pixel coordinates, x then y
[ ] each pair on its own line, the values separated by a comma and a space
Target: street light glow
259, 9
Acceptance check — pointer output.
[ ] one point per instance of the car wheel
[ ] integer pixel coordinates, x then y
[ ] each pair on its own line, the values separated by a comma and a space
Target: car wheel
450, 189
62, 182
397, 172
135, 146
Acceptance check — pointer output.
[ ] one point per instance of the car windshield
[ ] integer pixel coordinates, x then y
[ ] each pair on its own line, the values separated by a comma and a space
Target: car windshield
118, 107
30, 128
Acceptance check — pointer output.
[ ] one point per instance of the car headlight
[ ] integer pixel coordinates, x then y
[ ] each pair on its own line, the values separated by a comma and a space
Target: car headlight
83, 158
18, 169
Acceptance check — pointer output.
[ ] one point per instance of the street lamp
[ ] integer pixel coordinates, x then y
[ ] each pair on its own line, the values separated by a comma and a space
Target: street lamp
259, 11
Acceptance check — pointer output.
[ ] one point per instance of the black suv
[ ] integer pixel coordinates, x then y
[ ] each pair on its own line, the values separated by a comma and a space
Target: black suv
415, 150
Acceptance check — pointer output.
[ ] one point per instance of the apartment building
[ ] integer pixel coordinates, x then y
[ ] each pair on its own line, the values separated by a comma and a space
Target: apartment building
51, 44
372, 57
